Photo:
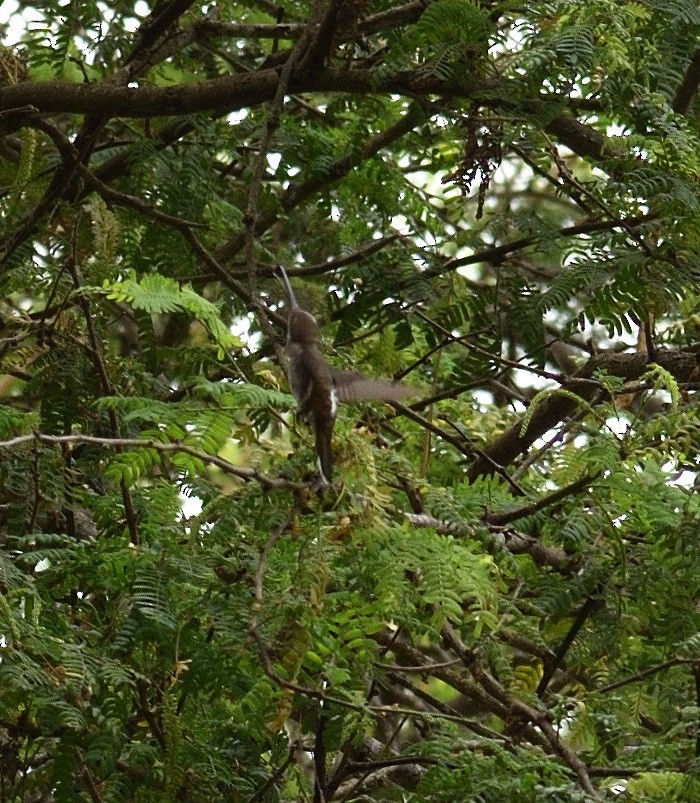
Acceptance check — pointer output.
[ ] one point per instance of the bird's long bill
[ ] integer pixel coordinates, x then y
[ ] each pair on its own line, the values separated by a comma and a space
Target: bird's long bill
291, 298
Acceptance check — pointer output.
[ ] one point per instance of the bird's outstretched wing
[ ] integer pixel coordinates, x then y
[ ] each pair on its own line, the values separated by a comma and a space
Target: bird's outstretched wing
352, 386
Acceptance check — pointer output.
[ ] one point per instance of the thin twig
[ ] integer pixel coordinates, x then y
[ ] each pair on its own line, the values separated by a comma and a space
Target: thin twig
496, 358
540, 719
246, 474
276, 775
495, 254
87, 777
652, 670
500, 518
419, 668
105, 382
552, 664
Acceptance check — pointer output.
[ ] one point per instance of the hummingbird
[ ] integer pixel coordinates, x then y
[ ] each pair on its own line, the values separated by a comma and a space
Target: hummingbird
318, 388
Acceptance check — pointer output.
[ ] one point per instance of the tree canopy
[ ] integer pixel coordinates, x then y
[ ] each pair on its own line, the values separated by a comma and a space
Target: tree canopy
495, 203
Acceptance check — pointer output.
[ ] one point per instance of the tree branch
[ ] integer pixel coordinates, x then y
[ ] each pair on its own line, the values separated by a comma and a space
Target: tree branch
105, 382
162, 17
682, 365
689, 85
552, 664
297, 193
245, 474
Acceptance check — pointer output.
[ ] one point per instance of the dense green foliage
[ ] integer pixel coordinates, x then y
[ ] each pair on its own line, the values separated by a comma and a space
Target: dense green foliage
498, 598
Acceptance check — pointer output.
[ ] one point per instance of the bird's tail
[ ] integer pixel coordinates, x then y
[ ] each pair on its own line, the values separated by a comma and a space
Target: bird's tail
324, 451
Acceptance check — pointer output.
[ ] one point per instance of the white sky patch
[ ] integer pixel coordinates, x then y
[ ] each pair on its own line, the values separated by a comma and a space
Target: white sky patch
527, 379
237, 117
242, 328
142, 8
547, 437
683, 479
580, 441
471, 273
618, 425
484, 398
400, 223
8, 14
191, 506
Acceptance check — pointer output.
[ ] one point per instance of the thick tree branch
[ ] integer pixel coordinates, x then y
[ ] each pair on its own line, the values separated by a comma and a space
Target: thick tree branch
163, 16
322, 42
682, 365
689, 85
232, 92
515, 542
226, 94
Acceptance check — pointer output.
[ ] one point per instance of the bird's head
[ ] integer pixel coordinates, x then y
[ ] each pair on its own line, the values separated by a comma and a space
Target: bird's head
302, 327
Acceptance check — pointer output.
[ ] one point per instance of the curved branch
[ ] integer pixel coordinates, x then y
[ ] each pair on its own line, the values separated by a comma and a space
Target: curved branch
515, 542
682, 365
503, 517
227, 93
245, 474
645, 673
